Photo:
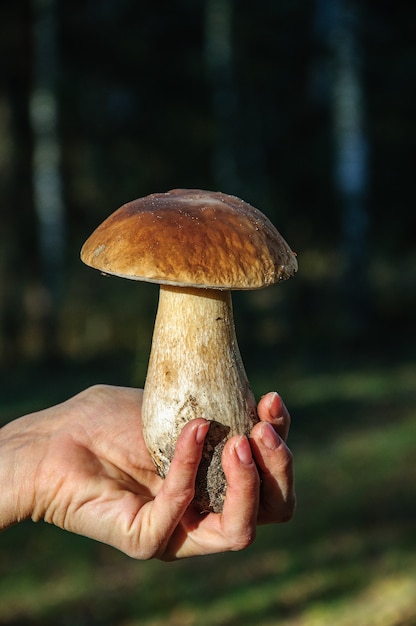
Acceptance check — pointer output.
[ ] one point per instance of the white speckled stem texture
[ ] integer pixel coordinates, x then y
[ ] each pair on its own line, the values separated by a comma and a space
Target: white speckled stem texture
195, 370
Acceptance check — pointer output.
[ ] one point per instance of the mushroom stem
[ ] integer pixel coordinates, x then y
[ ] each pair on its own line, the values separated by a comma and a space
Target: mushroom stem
195, 370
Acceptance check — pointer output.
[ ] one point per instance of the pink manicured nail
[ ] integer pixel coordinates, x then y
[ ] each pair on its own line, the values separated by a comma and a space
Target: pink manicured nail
275, 406
269, 436
242, 447
201, 432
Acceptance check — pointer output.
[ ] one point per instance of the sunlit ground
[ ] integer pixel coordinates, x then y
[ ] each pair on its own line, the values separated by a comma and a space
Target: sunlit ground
347, 558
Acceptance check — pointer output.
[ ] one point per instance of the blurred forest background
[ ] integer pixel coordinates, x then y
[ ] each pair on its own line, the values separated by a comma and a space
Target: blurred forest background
304, 109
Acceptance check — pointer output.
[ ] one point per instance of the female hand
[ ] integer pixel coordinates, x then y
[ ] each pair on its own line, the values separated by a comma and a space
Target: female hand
83, 466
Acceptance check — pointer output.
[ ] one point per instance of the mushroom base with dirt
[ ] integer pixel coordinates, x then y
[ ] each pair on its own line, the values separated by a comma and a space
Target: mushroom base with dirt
195, 370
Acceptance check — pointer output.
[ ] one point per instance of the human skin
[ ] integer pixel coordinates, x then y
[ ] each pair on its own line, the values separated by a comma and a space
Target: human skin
83, 466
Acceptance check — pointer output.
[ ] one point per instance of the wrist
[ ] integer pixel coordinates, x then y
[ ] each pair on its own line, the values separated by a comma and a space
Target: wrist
18, 454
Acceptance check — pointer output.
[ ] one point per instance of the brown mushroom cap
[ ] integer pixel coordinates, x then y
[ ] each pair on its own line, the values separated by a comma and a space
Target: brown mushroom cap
193, 238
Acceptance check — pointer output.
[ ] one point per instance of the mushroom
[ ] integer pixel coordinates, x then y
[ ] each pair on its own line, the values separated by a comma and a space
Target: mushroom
198, 245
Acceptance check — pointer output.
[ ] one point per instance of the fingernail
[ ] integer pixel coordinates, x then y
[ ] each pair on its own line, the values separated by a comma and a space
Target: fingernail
243, 449
269, 436
201, 432
275, 405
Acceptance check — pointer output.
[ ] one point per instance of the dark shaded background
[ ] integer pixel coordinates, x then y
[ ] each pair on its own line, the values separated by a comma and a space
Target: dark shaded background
147, 100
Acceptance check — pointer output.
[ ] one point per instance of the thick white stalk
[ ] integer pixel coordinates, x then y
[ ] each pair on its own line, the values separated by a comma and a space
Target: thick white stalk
195, 370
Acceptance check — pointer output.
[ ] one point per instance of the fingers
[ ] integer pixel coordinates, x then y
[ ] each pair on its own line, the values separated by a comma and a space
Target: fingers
271, 408
264, 458
234, 528
275, 463
239, 516
274, 460
176, 493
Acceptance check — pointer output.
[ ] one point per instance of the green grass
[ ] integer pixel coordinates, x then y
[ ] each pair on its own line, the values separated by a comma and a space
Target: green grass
348, 558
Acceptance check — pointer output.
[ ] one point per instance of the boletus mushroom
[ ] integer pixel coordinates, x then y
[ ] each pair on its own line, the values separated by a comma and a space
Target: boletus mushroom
198, 245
